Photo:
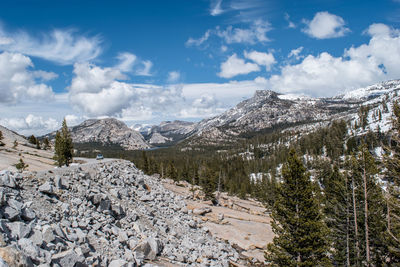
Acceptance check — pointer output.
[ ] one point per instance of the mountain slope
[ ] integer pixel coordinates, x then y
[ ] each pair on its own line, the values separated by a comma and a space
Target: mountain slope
268, 110
107, 131
169, 132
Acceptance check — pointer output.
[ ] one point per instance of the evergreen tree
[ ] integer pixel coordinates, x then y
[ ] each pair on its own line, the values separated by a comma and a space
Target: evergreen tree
145, 164
369, 213
297, 221
58, 150
46, 143
337, 210
32, 139
1, 138
63, 146
21, 166
392, 162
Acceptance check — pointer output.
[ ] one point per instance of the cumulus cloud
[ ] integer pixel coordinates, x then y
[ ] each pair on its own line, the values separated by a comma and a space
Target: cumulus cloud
235, 66
256, 32
61, 46
325, 25
30, 124
174, 76
262, 59
326, 75
206, 105
101, 91
19, 82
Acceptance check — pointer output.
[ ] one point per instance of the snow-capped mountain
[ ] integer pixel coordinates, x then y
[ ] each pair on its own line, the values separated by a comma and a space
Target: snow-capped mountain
270, 110
107, 131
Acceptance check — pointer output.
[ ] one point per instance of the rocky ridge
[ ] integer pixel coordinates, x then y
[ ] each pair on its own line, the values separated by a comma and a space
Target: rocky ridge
107, 131
268, 109
168, 131
106, 214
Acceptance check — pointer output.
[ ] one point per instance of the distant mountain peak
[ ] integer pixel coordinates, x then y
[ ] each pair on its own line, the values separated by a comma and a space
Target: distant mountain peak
265, 94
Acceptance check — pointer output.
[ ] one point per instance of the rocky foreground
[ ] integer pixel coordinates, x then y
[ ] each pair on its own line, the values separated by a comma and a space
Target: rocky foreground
106, 214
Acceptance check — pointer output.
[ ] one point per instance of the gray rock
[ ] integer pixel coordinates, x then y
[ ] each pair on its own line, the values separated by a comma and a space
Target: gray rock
105, 205
28, 214
11, 213
3, 263
118, 263
29, 248
48, 234
58, 182
67, 258
19, 230
47, 188
7, 180
201, 211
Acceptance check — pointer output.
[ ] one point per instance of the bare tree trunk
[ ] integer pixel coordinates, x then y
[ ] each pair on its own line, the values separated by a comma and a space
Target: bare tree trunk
366, 212
355, 221
347, 228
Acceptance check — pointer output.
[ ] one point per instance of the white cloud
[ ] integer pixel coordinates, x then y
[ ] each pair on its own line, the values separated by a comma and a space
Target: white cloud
234, 66
18, 82
174, 76
73, 120
262, 59
295, 53
60, 46
197, 42
256, 32
146, 69
216, 9
326, 75
101, 92
126, 61
30, 124
204, 105
325, 25
291, 25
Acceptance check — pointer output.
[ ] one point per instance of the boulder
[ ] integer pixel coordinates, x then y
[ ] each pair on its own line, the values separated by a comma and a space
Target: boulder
14, 257
67, 258
7, 180
201, 211
47, 188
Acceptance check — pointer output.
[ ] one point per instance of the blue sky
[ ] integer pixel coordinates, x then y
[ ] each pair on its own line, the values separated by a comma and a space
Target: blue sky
149, 61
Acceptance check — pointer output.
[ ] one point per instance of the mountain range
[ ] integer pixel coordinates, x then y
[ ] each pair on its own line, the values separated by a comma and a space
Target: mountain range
265, 111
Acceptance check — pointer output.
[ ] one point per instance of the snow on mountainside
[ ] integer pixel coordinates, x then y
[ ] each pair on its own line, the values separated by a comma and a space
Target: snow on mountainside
107, 131
268, 109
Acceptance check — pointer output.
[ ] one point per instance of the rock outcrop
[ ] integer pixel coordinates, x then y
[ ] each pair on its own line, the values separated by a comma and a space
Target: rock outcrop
105, 214
108, 131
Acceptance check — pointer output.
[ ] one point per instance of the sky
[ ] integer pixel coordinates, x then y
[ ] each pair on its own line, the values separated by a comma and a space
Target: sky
144, 62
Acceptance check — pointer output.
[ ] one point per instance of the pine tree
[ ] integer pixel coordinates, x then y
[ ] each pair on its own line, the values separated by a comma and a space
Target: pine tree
46, 143
369, 213
392, 162
32, 139
337, 210
58, 149
63, 146
1, 138
21, 165
297, 221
